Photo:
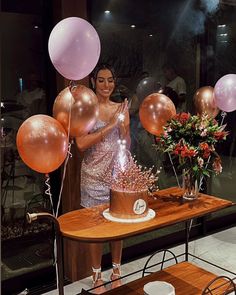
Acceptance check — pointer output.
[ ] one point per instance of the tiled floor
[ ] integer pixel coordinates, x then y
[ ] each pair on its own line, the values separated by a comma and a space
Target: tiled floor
219, 248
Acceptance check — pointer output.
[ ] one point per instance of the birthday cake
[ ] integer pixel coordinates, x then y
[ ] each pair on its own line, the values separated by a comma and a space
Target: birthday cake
130, 184
127, 205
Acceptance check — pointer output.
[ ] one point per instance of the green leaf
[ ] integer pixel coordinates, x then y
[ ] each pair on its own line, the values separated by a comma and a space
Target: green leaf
195, 168
206, 173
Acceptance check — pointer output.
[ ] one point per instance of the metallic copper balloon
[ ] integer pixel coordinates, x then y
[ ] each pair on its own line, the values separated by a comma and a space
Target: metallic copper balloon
81, 104
204, 101
155, 111
42, 143
84, 111
61, 107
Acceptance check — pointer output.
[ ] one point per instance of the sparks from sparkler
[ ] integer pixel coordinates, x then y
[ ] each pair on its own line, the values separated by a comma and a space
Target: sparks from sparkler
128, 175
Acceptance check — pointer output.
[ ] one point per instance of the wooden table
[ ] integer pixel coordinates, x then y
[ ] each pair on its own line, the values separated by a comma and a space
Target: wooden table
188, 279
89, 225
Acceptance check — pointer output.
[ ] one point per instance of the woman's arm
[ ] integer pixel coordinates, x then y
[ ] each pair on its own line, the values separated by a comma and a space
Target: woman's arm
86, 141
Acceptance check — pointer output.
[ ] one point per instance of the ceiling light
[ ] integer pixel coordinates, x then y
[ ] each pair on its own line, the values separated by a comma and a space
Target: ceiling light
36, 27
132, 26
150, 35
107, 11
221, 26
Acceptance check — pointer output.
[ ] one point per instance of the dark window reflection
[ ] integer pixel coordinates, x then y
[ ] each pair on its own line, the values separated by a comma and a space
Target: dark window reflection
25, 92
197, 38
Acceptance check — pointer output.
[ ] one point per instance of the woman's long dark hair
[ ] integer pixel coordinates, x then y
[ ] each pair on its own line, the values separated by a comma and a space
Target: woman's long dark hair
102, 66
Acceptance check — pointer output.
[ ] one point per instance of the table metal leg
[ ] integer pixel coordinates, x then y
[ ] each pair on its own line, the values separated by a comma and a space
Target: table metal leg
186, 240
188, 225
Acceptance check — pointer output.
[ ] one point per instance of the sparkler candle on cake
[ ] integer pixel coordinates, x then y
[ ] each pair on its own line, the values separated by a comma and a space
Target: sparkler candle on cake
129, 186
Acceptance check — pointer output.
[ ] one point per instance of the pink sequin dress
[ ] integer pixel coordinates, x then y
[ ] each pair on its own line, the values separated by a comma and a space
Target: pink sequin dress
98, 159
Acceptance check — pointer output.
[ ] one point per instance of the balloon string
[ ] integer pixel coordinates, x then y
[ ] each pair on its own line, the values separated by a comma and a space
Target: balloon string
172, 164
48, 191
223, 115
72, 85
69, 155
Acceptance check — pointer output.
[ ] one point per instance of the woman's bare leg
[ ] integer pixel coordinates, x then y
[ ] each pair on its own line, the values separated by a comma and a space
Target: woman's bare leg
116, 252
95, 251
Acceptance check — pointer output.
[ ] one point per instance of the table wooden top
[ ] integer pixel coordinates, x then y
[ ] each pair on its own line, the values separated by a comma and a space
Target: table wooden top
89, 224
187, 279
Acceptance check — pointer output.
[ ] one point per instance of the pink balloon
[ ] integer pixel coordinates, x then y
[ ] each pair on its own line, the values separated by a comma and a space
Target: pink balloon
225, 93
74, 48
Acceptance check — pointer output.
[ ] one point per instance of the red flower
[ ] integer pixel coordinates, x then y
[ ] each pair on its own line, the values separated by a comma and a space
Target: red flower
177, 149
184, 151
188, 153
217, 165
182, 117
219, 135
205, 148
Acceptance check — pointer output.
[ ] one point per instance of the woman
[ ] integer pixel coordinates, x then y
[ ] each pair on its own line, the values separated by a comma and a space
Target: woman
101, 148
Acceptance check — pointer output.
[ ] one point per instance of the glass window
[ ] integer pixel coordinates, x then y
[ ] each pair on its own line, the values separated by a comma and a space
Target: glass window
196, 38
25, 92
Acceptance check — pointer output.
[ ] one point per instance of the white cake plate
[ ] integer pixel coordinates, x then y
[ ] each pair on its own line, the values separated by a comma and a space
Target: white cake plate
151, 214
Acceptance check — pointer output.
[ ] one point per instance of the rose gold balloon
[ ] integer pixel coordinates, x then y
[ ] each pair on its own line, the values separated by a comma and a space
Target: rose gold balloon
204, 101
42, 143
155, 111
83, 105
61, 107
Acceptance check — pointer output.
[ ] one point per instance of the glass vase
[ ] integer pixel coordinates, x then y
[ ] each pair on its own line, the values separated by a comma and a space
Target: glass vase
190, 186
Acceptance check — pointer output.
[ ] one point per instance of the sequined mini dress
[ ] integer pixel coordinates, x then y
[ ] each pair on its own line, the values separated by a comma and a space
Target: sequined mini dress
98, 161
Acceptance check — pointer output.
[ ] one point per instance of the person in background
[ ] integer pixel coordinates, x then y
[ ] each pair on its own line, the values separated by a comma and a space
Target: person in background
100, 148
177, 84
168, 91
33, 97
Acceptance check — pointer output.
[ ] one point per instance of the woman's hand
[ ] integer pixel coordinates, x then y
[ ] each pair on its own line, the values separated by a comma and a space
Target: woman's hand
122, 120
119, 115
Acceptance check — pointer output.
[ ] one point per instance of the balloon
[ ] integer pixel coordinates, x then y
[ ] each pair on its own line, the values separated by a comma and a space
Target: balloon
155, 111
147, 86
74, 48
84, 109
204, 101
42, 143
225, 93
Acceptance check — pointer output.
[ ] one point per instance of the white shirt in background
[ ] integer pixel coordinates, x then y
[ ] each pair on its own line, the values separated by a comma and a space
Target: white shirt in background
179, 86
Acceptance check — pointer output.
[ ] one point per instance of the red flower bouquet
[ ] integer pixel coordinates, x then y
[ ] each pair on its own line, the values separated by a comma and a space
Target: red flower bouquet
192, 141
